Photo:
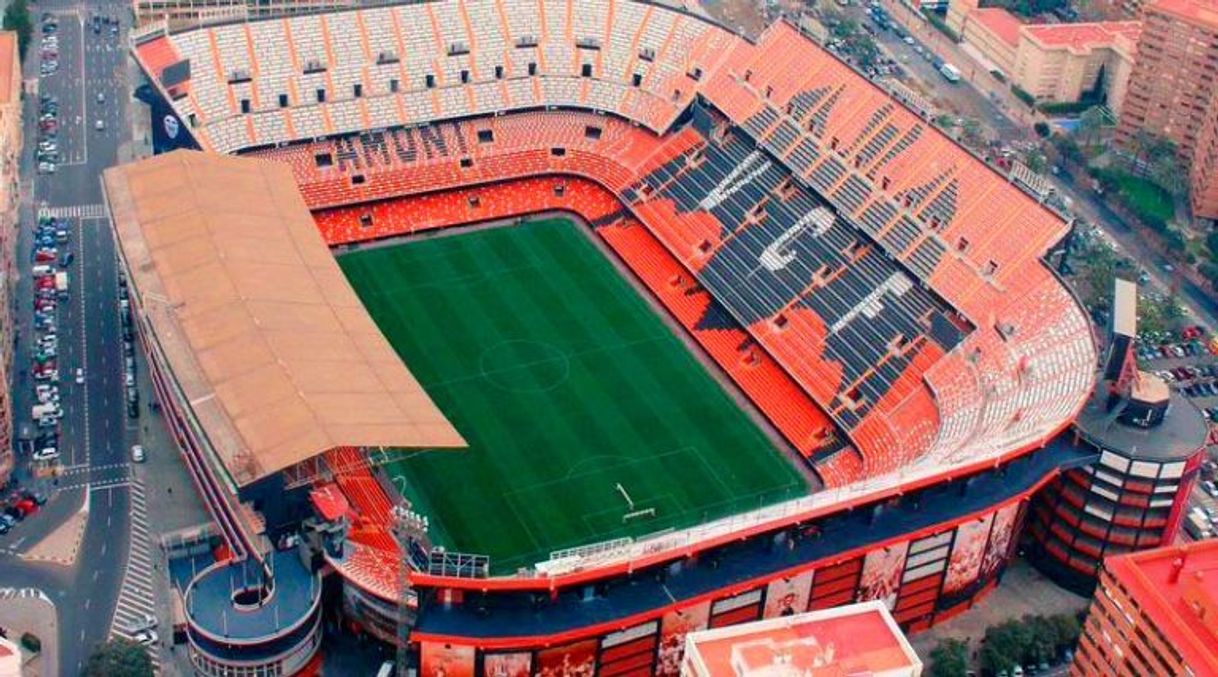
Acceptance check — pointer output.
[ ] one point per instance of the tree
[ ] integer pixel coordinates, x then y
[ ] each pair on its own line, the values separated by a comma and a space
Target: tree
1164, 166
1035, 160
863, 48
1005, 645
1042, 129
119, 658
17, 18
1066, 629
949, 659
1089, 124
1068, 149
971, 133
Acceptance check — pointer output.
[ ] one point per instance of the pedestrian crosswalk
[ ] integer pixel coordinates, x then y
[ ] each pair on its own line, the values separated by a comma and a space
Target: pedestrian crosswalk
136, 598
23, 593
89, 211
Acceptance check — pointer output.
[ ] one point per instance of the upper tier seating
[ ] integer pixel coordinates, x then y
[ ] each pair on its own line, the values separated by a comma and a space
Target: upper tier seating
307, 76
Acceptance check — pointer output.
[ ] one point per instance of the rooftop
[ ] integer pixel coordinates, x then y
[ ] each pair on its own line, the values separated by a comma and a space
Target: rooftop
1201, 12
1181, 434
858, 639
1176, 589
999, 22
1083, 36
268, 343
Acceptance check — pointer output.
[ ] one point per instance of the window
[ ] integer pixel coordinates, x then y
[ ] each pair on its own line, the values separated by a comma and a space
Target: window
464, 77
591, 132
532, 68
321, 95
466, 163
393, 85
430, 81
486, 135
962, 245
474, 201
558, 152
283, 100
245, 105
357, 90
586, 70
365, 220
560, 189
498, 72
357, 179
636, 79
324, 159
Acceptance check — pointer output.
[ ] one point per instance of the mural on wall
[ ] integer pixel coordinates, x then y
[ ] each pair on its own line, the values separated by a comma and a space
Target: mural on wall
967, 553
577, 659
881, 577
445, 660
673, 628
507, 664
1000, 540
788, 596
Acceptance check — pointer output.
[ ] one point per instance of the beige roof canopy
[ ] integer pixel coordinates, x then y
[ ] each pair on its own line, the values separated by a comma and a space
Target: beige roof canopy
274, 352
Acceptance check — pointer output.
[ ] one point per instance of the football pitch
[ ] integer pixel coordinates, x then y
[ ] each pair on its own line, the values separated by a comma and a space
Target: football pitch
579, 405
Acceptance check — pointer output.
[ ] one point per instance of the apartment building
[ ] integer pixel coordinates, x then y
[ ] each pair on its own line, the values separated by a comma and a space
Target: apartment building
1052, 62
1173, 91
1155, 613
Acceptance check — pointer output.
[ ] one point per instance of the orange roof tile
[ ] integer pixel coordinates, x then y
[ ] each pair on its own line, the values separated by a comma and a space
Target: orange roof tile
1000, 22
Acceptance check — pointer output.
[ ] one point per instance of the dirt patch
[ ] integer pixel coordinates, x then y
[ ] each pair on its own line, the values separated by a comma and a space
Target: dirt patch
61, 546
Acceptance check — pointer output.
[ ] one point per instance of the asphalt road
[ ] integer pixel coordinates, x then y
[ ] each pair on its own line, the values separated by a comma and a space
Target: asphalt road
95, 431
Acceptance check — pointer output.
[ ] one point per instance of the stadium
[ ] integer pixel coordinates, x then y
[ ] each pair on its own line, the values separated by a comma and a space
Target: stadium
551, 331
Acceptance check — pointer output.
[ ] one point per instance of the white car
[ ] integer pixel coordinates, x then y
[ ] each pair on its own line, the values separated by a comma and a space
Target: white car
137, 454
143, 622
80, 376
146, 637
47, 454
130, 379
100, 125
47, 422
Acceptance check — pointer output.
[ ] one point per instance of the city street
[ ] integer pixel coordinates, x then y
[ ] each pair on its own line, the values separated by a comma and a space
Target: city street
91, 87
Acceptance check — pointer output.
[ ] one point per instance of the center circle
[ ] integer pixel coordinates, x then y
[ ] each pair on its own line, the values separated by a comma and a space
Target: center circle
524, 366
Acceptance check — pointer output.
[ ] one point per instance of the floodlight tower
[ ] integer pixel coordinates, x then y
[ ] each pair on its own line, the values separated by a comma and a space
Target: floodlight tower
408, 527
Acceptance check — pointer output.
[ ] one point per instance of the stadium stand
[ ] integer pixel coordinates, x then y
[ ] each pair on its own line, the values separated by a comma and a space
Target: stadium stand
811, 233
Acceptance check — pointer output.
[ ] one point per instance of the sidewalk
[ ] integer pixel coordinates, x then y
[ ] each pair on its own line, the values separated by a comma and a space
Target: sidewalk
35, 614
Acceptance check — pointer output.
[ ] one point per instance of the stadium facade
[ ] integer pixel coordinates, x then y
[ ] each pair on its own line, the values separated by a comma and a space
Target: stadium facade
876, 294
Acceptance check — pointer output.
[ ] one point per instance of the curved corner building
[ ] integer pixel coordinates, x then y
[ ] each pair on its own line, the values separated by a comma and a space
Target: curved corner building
874, 291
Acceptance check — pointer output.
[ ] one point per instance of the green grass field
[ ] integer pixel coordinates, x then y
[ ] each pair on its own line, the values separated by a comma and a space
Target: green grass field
564, 383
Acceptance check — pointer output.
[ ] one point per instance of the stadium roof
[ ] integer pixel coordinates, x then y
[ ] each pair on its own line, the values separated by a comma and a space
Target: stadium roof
268, 342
